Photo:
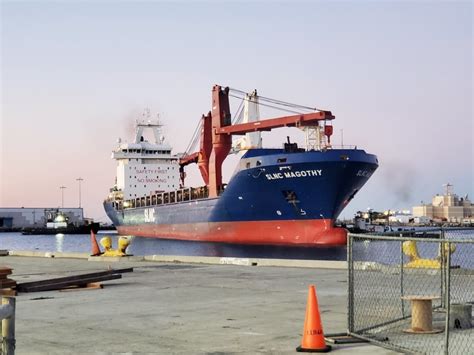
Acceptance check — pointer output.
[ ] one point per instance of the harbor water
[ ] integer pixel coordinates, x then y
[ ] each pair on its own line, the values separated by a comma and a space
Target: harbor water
80, 243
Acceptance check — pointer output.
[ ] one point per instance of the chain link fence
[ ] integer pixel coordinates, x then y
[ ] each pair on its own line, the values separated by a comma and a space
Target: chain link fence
413, 292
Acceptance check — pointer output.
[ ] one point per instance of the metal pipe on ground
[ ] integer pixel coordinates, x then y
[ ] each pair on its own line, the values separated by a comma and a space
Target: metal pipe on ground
59, 282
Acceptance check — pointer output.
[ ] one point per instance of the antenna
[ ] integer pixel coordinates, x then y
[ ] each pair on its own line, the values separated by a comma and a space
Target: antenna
79, 179
62, 195
146, 113
449, 189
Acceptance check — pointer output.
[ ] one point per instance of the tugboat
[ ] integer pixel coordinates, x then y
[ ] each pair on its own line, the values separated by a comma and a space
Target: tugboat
58, 222
288, 196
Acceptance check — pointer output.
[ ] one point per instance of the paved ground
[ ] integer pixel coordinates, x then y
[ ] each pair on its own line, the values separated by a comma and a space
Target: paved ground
176, 309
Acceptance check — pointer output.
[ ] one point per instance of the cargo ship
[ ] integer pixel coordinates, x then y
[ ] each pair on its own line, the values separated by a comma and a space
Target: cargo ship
287, 196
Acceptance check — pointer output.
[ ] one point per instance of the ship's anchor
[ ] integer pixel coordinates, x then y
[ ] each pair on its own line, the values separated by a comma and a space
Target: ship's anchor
410, 249
260, 171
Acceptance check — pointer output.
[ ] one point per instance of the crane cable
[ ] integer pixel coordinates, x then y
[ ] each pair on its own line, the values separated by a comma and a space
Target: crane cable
272, 106
279, 102
194, 139
237, 118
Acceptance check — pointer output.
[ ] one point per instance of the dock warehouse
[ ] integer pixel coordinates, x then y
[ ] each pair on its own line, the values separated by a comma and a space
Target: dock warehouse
37, 217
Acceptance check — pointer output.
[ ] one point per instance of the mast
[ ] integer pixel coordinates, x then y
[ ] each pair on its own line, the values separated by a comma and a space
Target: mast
221, 143
251, 140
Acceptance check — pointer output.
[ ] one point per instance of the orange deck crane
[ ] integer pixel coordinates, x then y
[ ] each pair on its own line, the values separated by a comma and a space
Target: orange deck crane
217, 131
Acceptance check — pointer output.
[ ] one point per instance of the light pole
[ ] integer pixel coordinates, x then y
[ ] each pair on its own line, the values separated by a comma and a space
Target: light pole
62, 195
80, 180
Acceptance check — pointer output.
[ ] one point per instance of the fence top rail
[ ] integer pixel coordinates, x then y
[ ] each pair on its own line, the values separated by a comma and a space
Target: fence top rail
407, 232
457, 229
407, 238
421, 231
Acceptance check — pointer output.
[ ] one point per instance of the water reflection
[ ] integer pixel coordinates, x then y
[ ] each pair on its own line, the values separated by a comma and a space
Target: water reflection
59, 242
148, 246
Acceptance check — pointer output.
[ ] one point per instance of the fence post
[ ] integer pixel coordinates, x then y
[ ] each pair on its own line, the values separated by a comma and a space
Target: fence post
8, 327
350, 286
443, 268
447, 295
402, 293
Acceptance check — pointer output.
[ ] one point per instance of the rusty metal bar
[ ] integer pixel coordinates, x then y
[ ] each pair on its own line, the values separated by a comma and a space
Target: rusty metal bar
75, 278
64, 284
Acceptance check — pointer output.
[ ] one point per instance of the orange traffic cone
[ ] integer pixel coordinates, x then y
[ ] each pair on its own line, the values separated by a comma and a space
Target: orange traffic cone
313, 337
94, 245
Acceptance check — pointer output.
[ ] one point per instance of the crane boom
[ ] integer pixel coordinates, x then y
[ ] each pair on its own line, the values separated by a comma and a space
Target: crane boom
189, 159
300, 120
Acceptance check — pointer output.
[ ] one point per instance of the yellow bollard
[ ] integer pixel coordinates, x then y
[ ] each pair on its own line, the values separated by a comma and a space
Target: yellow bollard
410, 249
123, 243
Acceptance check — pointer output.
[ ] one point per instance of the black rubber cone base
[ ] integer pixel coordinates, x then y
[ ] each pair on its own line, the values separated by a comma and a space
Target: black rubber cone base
323, 350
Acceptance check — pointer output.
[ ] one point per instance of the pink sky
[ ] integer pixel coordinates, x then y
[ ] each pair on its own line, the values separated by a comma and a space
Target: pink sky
398, 77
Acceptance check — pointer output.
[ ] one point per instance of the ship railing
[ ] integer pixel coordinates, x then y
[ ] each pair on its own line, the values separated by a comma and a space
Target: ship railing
327, 147
343, 146
162, 198
335, 146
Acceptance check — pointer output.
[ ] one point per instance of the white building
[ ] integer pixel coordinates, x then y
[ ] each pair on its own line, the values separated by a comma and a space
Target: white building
448, 207
38, 217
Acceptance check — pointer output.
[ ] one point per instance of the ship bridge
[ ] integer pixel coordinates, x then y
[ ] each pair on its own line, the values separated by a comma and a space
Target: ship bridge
144, 166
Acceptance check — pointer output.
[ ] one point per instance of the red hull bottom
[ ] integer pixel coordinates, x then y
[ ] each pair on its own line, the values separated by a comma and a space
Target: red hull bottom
318, 232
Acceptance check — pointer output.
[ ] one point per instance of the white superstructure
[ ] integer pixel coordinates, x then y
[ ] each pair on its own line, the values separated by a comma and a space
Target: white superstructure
145, 167
251, 114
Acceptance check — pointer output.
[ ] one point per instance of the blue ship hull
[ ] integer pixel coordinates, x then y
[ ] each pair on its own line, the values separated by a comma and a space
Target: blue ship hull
274, 197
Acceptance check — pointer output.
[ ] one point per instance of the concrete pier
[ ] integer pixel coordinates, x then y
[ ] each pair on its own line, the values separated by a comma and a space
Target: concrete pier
177, 308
